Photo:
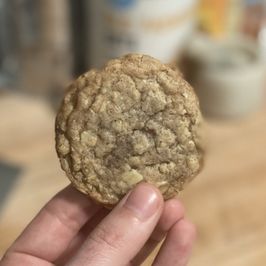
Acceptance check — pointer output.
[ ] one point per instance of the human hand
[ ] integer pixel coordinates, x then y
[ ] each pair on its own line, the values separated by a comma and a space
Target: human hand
72, 230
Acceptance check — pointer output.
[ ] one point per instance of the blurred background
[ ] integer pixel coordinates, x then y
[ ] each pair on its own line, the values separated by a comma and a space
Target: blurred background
220, 47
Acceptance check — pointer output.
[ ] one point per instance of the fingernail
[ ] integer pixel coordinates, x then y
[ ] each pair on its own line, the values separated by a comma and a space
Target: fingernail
143, 201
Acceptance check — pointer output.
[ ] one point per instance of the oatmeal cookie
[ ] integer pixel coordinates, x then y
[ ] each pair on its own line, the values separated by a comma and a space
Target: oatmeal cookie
135, 120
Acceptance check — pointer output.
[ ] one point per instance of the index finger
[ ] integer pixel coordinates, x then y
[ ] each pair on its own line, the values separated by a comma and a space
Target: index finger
52, 230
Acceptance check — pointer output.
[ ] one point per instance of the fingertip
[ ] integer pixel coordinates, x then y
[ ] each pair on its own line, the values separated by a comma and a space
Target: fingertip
157, 192
144, 201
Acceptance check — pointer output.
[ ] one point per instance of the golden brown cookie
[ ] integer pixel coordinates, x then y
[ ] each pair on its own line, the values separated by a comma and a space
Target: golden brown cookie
135, 120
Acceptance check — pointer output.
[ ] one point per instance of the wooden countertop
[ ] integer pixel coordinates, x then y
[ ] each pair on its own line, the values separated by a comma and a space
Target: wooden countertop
226, 201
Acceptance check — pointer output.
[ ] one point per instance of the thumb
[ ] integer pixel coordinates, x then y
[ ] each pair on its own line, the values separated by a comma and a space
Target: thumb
121, 234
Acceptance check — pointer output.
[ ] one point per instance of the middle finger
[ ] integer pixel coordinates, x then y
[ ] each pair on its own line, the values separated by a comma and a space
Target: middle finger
173, 211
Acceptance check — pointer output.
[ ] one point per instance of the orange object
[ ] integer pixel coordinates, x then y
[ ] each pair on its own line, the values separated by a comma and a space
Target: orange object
220, 18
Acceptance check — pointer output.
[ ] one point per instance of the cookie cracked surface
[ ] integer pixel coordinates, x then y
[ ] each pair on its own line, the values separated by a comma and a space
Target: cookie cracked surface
135, 120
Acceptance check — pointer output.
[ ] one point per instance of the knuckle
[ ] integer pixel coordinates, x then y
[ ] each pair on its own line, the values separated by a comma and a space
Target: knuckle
105, 237
191, 231
185, 234
62, 216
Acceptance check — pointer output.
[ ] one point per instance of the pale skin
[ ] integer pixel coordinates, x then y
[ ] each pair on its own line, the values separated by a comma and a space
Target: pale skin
72, 230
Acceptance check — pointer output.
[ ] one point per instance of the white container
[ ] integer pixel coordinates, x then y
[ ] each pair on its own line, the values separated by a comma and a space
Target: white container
155, 27
229, 76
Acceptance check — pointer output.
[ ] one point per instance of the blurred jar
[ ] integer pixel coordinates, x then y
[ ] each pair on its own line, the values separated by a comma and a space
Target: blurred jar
158, 28
228, 76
